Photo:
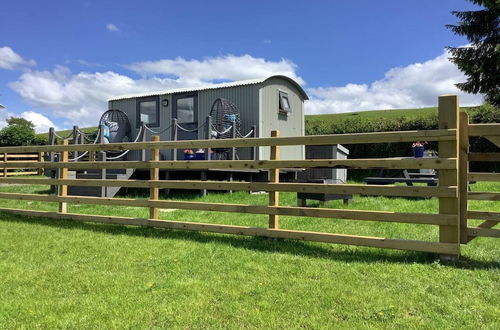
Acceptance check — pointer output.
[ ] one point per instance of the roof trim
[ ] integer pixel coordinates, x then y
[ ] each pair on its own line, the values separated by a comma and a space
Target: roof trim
214, 86
293, 82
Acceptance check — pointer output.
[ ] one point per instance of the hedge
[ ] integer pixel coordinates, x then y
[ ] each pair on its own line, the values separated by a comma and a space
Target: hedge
481, 114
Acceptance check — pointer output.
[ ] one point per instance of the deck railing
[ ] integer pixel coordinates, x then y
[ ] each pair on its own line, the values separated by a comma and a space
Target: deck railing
451, 218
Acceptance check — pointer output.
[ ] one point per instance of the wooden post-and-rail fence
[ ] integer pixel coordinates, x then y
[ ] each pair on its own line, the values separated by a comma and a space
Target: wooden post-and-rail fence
7, 158
452, 164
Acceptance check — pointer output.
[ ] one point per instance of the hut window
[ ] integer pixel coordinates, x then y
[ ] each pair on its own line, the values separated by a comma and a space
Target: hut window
284, 102
148, 111
185, 110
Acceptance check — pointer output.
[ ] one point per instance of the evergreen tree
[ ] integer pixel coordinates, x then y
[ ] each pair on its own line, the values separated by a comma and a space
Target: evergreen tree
480, 61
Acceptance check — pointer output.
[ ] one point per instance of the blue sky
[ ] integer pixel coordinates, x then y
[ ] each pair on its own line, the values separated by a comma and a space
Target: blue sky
61, 60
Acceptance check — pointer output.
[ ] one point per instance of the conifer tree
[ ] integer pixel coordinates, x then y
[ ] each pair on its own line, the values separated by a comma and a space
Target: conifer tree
479, 61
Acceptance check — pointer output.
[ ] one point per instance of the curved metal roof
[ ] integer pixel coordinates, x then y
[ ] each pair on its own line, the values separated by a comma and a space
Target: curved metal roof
214, 86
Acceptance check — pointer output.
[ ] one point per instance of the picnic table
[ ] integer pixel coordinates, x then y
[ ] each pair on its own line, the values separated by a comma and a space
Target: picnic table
429, 178
321, 197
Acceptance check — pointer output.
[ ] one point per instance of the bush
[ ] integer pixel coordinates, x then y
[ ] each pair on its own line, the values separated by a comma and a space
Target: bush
18, 132
486, 113
39, 140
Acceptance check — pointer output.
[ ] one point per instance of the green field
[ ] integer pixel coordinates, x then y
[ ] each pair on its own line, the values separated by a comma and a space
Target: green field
67, 132
377, 114
65, 274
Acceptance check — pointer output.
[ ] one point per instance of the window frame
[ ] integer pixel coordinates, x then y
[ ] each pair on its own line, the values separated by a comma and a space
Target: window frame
175, 110
138, 110
281, 107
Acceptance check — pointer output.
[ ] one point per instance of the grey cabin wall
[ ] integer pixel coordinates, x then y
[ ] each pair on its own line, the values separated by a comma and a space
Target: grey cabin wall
129, 106
246, 99
271, 119
258, 105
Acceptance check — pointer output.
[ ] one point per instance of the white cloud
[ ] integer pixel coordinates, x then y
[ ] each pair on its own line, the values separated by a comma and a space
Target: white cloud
229, 67
413, 86
42, 123
81, 98
87, 63
10, 60
111, 27
4, 114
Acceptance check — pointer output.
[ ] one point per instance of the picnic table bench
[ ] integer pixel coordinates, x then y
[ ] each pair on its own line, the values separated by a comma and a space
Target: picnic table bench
321, 197
408, 181
409, 178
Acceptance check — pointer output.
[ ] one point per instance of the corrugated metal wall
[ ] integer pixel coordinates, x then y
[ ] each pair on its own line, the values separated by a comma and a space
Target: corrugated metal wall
246, 99
258, 105
129, 106
271, 119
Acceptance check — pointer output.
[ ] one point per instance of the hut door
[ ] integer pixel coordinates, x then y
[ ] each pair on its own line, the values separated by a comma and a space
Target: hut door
185, 109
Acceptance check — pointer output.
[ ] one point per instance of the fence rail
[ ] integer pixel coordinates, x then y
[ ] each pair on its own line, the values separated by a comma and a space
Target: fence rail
9, 164
448, 134
382, 190
390, 163
451, 219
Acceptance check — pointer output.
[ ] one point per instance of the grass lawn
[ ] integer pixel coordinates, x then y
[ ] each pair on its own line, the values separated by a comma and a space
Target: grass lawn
65, 274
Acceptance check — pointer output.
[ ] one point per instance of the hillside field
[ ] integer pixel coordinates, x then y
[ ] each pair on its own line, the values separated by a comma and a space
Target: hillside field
67, 132
377, 114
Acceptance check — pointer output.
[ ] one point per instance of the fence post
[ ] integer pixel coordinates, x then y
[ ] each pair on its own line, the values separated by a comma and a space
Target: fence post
233, 135
75, 140
143, 139
254, 148
52, 158
274, 177
448, 111
174, 137
102, 158
63, 174
5, 155
52, 141
82, 138
155, 175
463, 172
40, 160
92, 154
208, 136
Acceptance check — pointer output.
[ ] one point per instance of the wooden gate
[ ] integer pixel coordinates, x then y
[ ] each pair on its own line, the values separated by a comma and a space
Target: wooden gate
489, 218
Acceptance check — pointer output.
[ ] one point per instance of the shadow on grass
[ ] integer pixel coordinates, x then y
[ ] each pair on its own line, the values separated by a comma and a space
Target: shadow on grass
343, 253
